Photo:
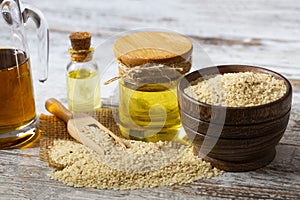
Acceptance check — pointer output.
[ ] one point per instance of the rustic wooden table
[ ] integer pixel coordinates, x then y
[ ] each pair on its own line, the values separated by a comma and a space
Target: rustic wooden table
260, 32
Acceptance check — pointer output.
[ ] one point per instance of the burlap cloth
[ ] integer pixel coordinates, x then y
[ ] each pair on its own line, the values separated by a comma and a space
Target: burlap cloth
52, 128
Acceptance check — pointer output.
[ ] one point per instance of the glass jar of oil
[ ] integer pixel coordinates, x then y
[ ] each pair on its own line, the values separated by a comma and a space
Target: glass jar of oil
151, 64
148, 108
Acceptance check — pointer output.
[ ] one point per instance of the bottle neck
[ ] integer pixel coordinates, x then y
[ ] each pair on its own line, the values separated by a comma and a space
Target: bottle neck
81, 55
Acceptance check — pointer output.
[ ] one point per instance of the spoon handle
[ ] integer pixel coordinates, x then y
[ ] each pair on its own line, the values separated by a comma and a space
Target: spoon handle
59, 110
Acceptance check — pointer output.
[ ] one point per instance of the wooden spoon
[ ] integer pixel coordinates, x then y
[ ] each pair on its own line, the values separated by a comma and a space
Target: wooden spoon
75, 125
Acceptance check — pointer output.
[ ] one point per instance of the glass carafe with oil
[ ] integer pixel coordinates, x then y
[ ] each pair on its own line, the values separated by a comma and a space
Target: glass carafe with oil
17, 105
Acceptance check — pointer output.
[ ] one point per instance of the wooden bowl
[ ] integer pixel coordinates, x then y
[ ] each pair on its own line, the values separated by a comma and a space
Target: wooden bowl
244, 137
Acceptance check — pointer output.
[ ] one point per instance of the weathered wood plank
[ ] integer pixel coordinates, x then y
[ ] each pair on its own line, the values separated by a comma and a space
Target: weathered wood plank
249, 19
254, 32
268, 182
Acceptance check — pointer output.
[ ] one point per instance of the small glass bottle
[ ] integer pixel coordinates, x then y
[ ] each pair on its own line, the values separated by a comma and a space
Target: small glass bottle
83, 81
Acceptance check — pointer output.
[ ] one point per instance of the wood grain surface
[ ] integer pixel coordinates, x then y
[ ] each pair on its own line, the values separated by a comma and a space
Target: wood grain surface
258, 32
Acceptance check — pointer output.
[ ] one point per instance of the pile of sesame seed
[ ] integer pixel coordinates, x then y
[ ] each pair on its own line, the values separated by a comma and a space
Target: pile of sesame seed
237, 89
144, 164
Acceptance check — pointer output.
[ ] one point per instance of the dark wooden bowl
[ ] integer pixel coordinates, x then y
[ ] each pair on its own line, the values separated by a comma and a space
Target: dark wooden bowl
245, 137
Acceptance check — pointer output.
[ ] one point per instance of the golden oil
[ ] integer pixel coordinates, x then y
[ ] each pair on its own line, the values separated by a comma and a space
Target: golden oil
83, 87
17, 106
149, 112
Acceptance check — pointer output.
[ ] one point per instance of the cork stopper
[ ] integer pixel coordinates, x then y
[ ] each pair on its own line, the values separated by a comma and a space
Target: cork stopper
80, 40
81, 50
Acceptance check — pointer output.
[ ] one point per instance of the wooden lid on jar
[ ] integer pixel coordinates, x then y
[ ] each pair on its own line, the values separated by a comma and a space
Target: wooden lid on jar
152, 47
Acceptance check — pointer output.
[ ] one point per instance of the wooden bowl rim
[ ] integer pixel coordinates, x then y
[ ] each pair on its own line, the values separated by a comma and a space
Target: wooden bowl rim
260, 69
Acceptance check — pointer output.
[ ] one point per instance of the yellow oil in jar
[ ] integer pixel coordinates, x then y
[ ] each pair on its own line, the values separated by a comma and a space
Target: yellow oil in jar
149, 112
83, 88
